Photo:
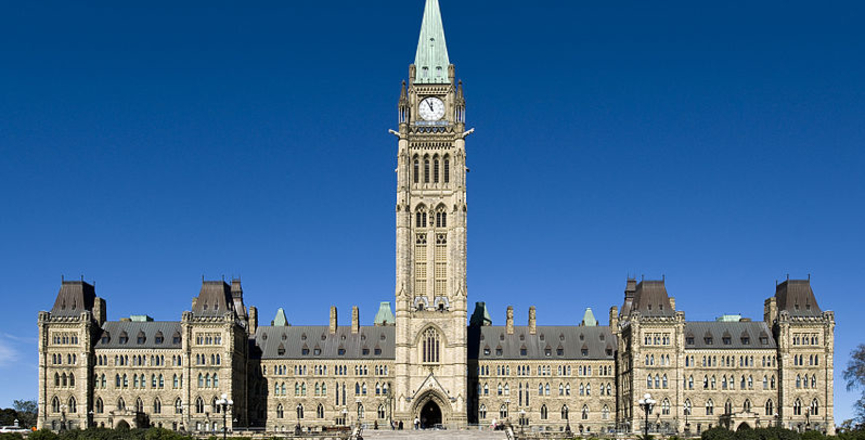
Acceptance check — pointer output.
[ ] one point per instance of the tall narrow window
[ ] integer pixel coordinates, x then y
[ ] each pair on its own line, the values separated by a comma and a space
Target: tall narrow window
436, 170
447, 170
416, 171
426, 171
441, 265
430, 346
420, 268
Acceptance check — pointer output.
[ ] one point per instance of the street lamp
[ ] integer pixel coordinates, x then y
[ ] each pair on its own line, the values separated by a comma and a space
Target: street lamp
523, 420
225, 404
63, 417
297, 429
647, 403
90, 422
567, 420
777, 419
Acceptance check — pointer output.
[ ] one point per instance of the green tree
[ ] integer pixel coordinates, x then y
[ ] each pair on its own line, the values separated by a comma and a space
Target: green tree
854, 374
27, 411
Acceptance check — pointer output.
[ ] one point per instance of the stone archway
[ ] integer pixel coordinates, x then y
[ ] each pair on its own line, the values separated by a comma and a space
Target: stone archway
432, 406
743, 426
123, 424
430, 415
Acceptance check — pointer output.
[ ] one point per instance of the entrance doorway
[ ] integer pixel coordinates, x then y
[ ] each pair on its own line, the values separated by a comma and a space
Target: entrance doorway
430, 415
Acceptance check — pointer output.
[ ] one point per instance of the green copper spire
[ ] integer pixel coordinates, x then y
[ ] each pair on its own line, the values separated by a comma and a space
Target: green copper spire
384, 315
589, 318
431, 60
279, 320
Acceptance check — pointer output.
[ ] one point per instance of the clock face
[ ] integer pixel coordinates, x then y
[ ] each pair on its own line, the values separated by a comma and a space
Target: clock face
432, 109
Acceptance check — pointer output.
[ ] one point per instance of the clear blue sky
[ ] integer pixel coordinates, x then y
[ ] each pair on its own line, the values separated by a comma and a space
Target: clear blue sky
146, 144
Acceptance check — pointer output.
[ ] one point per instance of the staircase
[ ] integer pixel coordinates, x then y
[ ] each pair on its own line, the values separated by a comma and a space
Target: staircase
432, 434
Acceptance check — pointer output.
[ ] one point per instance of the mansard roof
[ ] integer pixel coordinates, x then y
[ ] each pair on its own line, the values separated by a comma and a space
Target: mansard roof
651, 299
268, 339
797, 298
742, 335
113, 329
596, 341
214, 299
74, 297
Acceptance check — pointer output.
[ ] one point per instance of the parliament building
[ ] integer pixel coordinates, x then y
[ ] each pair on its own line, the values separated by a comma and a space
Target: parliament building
425, 357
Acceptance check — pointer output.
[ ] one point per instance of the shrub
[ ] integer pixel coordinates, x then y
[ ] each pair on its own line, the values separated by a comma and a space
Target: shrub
42, 434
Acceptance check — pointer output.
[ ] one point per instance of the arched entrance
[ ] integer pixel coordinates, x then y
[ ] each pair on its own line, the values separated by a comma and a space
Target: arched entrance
743, 426
430, 415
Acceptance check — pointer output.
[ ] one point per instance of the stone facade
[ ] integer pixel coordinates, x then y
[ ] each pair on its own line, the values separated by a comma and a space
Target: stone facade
424, 361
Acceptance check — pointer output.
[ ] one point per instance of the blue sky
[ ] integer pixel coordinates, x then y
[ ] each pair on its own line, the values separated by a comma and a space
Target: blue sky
147, 144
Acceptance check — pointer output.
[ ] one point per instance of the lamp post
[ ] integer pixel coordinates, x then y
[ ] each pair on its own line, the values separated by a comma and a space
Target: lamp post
523, 420
297, 429
687, 424
90, 419
225, 404
647, 403
63, 417
567, 420
808, 419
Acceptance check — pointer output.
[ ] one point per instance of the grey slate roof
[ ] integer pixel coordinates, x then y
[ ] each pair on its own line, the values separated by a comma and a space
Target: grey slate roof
73, 298
651, 299
214, 299
268, 339
718, 330
149, 330
595, 340
797, 298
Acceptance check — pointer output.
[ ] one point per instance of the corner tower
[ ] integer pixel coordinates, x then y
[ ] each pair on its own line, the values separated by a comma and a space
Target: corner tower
431, 236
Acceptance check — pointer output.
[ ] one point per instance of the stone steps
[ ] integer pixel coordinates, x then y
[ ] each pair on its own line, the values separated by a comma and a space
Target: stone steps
432, 434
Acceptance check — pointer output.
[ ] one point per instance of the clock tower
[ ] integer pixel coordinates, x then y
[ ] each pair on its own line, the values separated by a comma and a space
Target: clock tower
431, 306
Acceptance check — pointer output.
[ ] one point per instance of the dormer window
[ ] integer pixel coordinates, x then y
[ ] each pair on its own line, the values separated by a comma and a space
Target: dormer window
499, 351
176, 338
726, 340
106, 338
689, 340
746, 340
584, 351
124, 338
560, 352
524, 351
341, 351
159, 339
548, 352
377, 351
365, 352
486, 351
708, 340
650, 307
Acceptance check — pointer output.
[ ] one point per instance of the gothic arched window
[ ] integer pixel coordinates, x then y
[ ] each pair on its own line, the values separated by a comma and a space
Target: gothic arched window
447, 169
416, 170
426, 170
430, 346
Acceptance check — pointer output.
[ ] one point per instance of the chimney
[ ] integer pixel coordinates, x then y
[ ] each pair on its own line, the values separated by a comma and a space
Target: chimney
614, 319
533, 326
100, 311
253, 320
673, 303
355, 320
332, 320
509, 326
770, 310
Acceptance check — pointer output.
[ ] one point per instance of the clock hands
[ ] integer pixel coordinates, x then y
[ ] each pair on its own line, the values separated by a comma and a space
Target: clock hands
430, 104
